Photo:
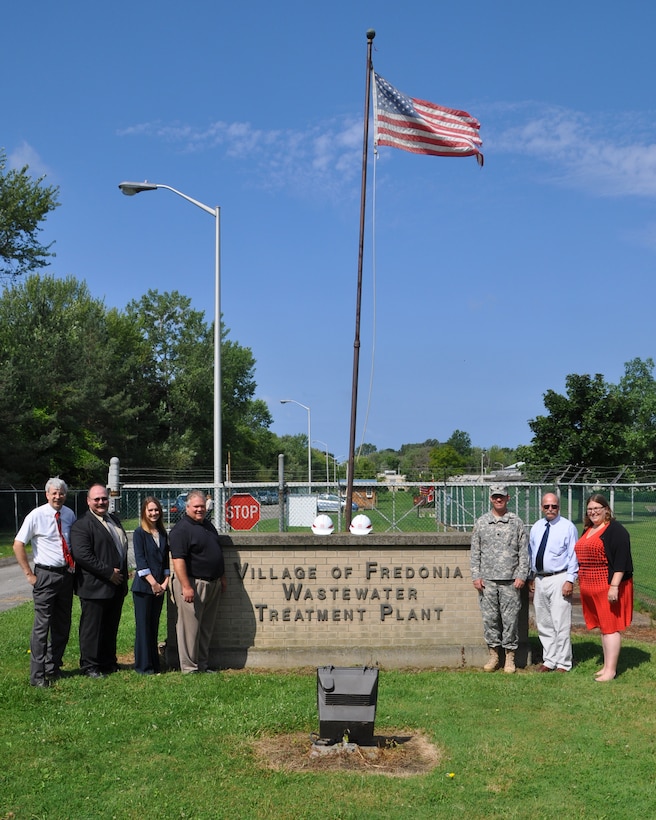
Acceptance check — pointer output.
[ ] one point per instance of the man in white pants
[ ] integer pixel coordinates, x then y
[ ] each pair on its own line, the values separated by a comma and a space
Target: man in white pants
554, 569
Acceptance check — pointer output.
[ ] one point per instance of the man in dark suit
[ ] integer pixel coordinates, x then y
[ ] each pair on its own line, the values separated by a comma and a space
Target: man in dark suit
100, 548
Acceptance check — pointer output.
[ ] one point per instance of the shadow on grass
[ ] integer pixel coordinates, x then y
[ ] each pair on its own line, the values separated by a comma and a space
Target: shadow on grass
587, 651
631, 657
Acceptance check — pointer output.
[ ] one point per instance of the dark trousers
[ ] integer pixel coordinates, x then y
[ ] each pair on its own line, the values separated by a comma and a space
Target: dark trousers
53, 602
99, 622
147, 610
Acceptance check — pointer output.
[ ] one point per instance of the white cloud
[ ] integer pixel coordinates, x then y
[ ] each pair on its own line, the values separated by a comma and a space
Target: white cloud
24, 155
326, 156
602, 155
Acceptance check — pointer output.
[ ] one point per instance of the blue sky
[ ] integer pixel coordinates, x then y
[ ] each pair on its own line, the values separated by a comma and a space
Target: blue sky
491, 285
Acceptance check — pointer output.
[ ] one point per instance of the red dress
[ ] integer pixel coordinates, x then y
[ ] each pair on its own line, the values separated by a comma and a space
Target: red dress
598, 611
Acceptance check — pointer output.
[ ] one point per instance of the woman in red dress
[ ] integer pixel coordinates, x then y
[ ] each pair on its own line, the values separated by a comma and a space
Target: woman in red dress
605, 579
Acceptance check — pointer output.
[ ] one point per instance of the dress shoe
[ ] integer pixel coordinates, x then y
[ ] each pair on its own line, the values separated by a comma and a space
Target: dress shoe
544, 668
562, 670
41, 683
94, 673
54, 676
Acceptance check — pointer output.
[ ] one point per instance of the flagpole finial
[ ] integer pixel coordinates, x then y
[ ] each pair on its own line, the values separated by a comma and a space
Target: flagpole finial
371, 34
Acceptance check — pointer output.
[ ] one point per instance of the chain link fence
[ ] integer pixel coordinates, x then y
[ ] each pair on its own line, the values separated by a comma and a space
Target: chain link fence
404, 508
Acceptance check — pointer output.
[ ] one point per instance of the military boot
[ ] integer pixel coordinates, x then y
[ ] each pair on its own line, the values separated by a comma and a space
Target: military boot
493, 662
509, 665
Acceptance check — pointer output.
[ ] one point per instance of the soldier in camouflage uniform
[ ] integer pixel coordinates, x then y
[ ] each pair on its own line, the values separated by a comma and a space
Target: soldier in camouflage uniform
499, 568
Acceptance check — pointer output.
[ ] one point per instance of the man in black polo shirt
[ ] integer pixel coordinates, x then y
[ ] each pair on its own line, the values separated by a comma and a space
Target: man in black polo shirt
198, 582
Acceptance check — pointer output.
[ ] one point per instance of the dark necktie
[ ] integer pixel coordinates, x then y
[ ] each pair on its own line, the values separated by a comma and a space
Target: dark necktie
65, 549
539, 558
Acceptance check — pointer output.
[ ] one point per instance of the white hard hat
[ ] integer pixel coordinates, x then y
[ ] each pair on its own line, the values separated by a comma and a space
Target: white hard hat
322, 525
361, 525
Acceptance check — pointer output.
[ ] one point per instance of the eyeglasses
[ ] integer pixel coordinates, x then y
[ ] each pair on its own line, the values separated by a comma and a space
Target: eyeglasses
550, 506
595, 510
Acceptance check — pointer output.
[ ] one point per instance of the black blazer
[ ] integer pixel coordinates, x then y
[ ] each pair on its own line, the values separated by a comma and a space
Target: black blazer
148, 556
95, 557
617, 546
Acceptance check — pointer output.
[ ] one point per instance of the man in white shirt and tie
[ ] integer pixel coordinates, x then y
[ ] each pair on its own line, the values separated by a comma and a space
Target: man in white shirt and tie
554, 570
48, 529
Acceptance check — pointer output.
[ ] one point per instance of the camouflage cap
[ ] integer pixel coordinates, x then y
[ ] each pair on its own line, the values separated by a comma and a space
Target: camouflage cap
498, 489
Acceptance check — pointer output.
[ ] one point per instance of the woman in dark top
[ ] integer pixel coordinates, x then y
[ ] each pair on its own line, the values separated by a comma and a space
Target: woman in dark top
151, 580
605, 579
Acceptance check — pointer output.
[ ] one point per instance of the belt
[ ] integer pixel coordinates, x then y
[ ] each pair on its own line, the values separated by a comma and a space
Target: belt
203, 578
61, 569
549, 574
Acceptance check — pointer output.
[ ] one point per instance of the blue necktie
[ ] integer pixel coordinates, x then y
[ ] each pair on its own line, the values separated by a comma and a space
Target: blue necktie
539, 558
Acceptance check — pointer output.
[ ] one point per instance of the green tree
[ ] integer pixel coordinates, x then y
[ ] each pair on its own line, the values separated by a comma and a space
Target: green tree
445, 461
364, 467
177, 338
294, 449
24, 204
415, 461
64, 404
501, 456
637, 389
246, 420
387, 459
181, 390
586, 426
461, 443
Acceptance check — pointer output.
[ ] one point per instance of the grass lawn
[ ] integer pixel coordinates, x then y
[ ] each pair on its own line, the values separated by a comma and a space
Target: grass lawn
521, 746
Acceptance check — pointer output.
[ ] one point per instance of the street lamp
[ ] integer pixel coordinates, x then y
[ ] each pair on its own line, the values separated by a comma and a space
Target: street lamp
132, 188
337, 460
305, 407
318, 441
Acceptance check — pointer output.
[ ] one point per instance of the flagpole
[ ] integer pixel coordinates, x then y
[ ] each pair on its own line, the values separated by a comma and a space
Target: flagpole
356, 343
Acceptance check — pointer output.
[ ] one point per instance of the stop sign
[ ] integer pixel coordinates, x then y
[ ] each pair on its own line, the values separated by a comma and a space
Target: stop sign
242, 511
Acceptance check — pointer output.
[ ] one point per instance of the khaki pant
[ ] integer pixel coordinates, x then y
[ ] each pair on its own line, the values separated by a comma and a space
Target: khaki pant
195, 623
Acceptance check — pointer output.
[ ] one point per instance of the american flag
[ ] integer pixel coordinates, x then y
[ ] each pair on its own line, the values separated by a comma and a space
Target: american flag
423, 127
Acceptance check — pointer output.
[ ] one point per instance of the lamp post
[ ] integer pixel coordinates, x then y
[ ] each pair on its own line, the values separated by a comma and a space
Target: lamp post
337, 460
318, 441
132, 188
305, 407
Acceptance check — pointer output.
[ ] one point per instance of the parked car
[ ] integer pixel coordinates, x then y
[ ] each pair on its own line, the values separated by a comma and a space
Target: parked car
327, 502
266, 496
178, 506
